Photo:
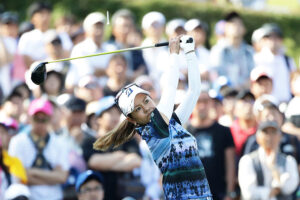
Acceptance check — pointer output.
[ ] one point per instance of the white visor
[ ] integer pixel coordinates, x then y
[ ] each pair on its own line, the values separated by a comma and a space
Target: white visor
125, 98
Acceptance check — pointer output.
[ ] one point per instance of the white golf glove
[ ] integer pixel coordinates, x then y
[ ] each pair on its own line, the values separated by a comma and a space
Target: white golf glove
187, 43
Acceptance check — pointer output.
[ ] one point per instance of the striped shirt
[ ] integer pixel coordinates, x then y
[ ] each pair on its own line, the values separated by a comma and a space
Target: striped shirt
175, 152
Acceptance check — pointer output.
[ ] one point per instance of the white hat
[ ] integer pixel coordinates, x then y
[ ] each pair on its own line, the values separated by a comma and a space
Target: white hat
293, 107
92, 19
258, 104
257, 35
152, 17
194, 23
125, 98
174, 24
16, 190
260, 71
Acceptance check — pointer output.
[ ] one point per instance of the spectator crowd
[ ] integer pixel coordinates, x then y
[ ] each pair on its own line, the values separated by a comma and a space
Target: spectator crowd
246, 121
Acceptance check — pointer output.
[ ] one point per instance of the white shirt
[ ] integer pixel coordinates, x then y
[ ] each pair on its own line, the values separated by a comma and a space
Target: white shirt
289, 178
22, 147
280, 72
87, 66
32, 44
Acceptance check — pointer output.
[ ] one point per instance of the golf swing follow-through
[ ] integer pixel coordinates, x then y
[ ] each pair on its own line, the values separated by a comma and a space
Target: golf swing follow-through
39, 73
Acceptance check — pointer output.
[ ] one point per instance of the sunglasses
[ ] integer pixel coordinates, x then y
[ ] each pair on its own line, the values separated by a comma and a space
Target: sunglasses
41, 120
128, 92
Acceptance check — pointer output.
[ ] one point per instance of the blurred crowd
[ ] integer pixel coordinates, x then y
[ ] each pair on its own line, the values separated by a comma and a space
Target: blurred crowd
246, 121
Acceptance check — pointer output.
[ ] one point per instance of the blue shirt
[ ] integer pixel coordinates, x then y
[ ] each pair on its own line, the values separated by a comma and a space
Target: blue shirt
175, 152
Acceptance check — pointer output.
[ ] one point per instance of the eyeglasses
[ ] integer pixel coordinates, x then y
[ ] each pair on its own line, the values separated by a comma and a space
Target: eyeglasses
40, 120
121, 92
89, 190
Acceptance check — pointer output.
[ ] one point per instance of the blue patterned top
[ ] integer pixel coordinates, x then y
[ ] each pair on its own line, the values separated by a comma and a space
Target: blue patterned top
175, 152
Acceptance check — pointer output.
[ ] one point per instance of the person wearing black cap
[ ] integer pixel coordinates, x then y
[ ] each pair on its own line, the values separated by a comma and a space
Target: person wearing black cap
273, 56
245, 124
55, 51
90, 186
31, 44
267, 173
233, 58
8, 46
9, 24
75, 117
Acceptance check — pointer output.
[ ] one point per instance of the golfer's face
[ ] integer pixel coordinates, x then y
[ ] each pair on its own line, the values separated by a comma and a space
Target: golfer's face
143, 107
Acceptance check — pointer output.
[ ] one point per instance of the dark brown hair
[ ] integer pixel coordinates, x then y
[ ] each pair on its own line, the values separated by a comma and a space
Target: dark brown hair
121, 134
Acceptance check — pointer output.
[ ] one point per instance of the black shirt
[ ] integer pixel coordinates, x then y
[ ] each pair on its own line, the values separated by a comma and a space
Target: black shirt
212, 142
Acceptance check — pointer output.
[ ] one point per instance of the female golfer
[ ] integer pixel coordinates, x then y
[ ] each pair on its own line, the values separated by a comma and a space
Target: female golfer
174, 150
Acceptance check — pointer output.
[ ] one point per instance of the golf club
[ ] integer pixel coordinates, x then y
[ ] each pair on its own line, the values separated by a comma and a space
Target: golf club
39, 73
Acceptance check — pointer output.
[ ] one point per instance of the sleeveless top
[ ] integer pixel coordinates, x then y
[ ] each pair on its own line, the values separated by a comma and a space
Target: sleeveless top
175, 152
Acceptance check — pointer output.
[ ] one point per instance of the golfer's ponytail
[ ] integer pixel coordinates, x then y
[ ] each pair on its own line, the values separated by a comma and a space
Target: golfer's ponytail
124, 132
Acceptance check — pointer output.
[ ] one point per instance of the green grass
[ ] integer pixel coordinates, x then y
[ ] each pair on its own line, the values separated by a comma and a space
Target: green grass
292, 5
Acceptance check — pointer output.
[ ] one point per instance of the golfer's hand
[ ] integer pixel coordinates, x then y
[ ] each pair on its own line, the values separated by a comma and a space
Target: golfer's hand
187, 47
174, 45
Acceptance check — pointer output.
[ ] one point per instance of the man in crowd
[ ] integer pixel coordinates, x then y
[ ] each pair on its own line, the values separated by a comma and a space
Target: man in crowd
216, 149
233, 57
42, 154
267, 173
273, 57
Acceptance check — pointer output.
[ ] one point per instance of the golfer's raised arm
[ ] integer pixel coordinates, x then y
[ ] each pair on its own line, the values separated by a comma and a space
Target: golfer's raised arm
171, 76
186, 107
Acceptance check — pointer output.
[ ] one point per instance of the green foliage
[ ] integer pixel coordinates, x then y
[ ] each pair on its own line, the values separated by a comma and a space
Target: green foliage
211, 13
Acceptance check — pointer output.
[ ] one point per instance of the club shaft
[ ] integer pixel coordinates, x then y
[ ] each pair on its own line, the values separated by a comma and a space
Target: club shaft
110, 52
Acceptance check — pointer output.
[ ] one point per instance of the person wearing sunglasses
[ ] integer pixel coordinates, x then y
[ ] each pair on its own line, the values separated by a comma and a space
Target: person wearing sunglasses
173, 149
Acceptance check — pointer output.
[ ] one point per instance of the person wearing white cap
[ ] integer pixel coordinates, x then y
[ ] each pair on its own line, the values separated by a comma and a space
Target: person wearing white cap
198, 30
153, 25
173, 149
261, 81
273, 56
93, 26
17, 191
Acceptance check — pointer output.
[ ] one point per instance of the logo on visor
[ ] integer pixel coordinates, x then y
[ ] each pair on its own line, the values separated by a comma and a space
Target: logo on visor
128, 92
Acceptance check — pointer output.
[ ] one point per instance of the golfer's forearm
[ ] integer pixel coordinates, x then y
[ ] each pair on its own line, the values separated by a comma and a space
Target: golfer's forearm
185, 109
170, 81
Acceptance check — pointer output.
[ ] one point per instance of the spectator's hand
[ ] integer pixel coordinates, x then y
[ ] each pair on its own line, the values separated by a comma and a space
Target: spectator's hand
174, 45
186, 43
274, 192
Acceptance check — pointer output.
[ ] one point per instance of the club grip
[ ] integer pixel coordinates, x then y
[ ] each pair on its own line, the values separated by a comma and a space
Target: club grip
161, 44
190, 40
